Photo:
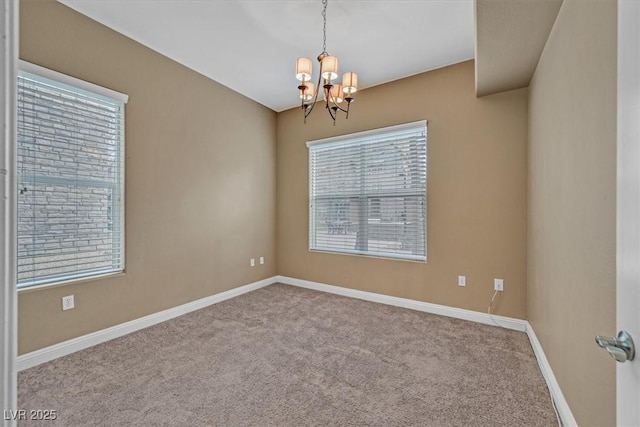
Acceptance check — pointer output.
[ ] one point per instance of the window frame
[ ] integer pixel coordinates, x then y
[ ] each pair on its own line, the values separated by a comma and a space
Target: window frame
105, 94
354, 137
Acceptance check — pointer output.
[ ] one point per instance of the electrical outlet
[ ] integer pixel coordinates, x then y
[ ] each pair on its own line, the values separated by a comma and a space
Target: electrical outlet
462, 281
498, 284
67, 303
252, 262
261, 260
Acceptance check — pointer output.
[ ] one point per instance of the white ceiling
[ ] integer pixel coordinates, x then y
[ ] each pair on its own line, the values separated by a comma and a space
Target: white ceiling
510, 37
251, 46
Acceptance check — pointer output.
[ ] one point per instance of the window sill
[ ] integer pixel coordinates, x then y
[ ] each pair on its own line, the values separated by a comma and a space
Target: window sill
69, 282
386, 258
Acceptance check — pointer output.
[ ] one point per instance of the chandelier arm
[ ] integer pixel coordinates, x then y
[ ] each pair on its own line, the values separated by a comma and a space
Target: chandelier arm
336, 105
331, 113
331, 109
308, 111
315, 98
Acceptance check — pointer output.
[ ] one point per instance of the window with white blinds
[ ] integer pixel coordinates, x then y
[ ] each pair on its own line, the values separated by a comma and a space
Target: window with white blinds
70, 179
368, 193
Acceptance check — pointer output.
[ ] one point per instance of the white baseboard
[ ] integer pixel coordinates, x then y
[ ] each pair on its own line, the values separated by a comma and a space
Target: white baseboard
64, 348
564, 412
443, 310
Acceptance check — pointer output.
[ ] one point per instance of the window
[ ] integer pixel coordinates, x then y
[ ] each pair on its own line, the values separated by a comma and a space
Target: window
70, 178
368, 193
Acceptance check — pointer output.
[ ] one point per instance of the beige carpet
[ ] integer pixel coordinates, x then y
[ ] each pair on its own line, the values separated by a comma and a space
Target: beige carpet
284, 356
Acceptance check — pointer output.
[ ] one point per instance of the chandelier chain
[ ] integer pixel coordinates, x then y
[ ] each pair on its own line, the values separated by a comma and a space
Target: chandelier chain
324, 26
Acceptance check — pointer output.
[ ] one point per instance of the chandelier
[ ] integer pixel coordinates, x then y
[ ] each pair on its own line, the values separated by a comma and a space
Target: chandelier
334, 94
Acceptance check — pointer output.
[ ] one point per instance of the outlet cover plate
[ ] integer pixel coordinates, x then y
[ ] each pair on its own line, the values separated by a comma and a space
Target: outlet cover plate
67, 303
462, 281
498, 284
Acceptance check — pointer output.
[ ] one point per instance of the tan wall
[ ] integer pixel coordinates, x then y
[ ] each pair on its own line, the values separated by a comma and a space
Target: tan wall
200, 181
476, 196
572, 205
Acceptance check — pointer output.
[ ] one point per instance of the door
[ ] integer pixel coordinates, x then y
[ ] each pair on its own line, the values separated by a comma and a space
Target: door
8, 67
628, 207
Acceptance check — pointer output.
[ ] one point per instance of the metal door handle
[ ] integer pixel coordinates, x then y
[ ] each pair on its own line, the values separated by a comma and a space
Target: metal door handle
621, 348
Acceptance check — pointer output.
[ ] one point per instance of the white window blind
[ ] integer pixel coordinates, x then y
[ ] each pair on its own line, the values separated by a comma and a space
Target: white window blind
70, 181
368, 193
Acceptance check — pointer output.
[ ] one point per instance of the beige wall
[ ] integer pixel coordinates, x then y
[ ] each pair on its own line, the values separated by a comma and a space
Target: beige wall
476, 196
201, 191
200, 183
572, 204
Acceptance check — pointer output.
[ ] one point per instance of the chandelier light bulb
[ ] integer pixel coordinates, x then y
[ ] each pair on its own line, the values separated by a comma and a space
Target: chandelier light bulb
304, 68
350, 83
306, 91
329, 67
336, 94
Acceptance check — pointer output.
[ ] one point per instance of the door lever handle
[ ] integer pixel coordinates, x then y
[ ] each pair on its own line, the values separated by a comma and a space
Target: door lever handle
621, 348
617, 353
606, 341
